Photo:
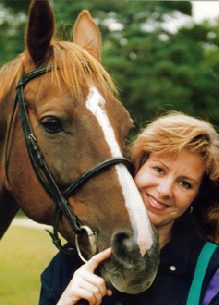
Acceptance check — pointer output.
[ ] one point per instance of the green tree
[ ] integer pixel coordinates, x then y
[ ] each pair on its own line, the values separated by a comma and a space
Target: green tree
155, 69
12, 23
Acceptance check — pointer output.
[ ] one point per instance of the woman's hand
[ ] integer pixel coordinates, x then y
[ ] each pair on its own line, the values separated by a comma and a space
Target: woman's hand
85, 284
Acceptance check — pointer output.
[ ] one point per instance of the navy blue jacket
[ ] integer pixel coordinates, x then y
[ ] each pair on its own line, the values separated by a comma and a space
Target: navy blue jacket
171, 286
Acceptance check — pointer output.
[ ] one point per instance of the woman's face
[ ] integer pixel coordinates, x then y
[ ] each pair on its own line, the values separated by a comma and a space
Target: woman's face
169, 186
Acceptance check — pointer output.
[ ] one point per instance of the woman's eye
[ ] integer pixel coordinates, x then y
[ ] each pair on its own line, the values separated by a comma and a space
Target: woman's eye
186, 184
52, 125
158, 169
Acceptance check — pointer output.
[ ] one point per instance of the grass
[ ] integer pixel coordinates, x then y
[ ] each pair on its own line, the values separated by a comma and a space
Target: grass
24, 254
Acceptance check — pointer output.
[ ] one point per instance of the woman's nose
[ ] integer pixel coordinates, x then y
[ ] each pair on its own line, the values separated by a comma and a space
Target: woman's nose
165, 188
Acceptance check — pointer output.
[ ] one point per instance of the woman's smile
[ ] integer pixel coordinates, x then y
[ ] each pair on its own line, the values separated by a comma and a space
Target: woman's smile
154, 204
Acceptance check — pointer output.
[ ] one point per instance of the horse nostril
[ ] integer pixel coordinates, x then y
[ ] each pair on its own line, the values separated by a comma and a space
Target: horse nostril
125, 241
124, 249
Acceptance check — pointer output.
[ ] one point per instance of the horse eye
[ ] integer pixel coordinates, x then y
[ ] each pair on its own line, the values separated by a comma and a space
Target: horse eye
52, 125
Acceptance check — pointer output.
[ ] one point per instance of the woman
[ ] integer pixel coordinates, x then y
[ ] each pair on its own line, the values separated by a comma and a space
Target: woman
177, 173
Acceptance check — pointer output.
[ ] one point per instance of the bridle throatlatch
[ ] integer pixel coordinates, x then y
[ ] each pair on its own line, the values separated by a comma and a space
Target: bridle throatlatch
46, 179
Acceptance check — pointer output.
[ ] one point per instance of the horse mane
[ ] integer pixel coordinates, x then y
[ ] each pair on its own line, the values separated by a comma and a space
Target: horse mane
75, 66
10, 73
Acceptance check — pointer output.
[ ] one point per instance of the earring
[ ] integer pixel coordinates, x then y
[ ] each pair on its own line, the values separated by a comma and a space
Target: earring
191, 209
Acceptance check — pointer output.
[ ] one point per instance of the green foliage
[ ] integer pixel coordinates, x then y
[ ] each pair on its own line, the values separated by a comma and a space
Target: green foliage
16, 6
154, 68
12, 23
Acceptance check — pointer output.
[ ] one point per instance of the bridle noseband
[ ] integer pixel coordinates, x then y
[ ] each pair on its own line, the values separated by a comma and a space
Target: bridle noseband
45, 177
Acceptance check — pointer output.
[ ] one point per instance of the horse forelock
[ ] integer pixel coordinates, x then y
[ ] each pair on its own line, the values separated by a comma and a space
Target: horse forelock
75, 67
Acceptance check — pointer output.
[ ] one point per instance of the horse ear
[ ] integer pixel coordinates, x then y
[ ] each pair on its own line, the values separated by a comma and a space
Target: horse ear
86, 34
40, 29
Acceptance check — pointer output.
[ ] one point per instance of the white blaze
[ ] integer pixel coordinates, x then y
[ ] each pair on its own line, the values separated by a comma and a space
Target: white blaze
133, 201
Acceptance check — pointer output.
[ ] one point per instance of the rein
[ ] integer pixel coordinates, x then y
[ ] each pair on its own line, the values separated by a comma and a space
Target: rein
46, 179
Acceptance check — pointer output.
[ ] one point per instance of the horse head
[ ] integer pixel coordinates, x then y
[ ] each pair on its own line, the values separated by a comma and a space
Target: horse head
62, 150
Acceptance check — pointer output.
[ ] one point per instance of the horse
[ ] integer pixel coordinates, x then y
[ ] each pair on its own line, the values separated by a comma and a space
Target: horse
62, 137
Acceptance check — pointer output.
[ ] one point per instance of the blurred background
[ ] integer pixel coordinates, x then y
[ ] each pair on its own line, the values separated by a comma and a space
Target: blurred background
162, 55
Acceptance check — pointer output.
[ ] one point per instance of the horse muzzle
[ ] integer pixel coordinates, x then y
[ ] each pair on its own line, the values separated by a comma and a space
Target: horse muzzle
128, 271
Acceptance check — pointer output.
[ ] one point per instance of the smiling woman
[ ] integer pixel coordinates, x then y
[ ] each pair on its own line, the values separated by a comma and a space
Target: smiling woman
177, 173
182, 155
169, 187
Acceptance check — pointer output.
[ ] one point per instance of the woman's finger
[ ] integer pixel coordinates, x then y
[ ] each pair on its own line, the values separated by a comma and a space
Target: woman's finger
84, 294
87, 285
90, 279
95, 294
95, 260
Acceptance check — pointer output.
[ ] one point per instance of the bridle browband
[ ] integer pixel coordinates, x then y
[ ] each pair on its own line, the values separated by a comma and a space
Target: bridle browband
45, 177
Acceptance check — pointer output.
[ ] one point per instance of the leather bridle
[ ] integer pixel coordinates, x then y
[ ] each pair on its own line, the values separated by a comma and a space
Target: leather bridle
45, 177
